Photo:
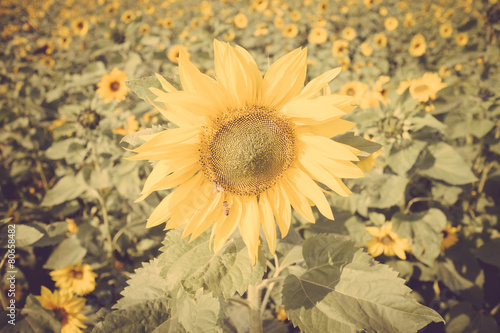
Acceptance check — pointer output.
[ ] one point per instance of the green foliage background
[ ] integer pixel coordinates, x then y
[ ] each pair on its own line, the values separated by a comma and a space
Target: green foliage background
438, 166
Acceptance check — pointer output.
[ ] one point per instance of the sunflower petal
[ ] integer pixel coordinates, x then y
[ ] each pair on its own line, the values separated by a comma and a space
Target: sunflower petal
315, 85
250, 225
268, 224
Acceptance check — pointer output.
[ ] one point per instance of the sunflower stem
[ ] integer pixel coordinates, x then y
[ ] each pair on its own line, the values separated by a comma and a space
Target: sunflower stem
253, 295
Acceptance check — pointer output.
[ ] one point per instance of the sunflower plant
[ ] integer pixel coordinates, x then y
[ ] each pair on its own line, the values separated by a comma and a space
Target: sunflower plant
246, 149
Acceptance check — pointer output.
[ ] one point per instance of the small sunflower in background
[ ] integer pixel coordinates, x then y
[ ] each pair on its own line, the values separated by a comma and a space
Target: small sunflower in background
462, 39
317, 36
426, 87
173, 53
380, 39
290, 31
387, 242
348, 33
66, 307
240, 21
417, 45
391, 23
251, 146
445, 30
340, 48
112, 86
450, 237
78, 279
80, 27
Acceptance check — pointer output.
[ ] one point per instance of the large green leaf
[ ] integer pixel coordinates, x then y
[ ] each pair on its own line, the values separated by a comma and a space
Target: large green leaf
141, 87
199, 312
33, 318
228, 271
401, 160
425, 230
67, 188
448, 165
150, 316
358, 142
146, 284
68, 252
384, 191
345, 290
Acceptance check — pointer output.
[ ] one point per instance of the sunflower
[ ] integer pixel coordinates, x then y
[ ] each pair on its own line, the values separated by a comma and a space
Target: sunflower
48, 61
166, 23
144, 29
173, 53
445, 30
426, 87
295, 15
80, 27
387, 241
112, 86
355, 89
391, 23
127, 16
366, 49
417, 45
340, 48
317, 36
240, 21
450, 237
248, 147
380, 39
78, 279
348, 33
462, 39
290, 31
279, 23
66, 307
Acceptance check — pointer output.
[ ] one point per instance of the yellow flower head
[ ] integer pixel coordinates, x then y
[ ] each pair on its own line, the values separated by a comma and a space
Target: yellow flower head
380, 39
387, 242
240, 21
445, 30
67, 309
462, 39
426, 87
80, 27
317, 36
112, 86
127, 16
450, 237
391, 23
366, 49
348, 33
340, 48
355, 89
78, 279
290, 31
248, 147
417, 45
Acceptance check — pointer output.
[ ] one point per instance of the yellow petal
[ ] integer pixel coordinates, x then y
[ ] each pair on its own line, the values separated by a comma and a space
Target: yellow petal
227, 226
284, 79
201, 208
315, 85
324, 146
161, 213
328, 128
268, 224
310, 112
280, 205
250, 225
180, 117
165, 84
298, 201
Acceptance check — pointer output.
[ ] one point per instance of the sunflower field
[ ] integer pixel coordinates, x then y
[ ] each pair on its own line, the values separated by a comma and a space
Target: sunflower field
250, 166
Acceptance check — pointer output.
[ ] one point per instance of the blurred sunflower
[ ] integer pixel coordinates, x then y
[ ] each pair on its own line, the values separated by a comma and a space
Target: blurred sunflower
340, 48
417, 45
366, 49
317, 36
127, 16
387, 242
80, 27
355, 89
75, 278
240, 21
445, 30
67, 309
173, 53
250, 147
112, 86
348, 33
450, 237
426, 87
462, 39
391, 23
380, 39
290, 31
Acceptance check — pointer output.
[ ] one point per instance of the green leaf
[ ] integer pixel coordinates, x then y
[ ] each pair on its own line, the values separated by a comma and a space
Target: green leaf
403, 159
448, 166
446, 194
67, 188
69, 252
59, 149
33, 318
358, 142
150, 316
53, 233
425, 230
141, 87
201, 313
480, 128
228, 271
26, 235
345, 290
488, 253
146, 284
417, 123
385, 190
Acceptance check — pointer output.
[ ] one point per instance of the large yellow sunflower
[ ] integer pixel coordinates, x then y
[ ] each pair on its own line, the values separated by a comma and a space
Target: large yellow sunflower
112, 86
67, 309
75, 278
248, 147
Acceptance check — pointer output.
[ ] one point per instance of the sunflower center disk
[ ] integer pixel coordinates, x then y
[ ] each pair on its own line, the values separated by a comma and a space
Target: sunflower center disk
248, 149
